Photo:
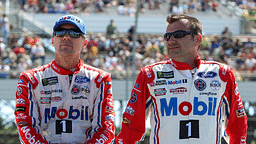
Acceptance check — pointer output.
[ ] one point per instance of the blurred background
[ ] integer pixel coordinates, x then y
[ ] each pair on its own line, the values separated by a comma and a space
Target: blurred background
123, 36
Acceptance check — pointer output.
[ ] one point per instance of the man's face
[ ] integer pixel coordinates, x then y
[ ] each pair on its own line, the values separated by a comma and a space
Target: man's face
180, 48
67, 45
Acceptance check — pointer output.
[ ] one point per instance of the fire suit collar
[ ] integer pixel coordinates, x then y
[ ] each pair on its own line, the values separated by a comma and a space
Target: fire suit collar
62, 71
185, 66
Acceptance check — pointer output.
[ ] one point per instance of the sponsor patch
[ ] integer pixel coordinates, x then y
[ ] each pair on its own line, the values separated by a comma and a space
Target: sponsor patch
160, 91
129, 110
79, 97
179, 90
55, 99
148, 72
165, 75
243, 140
85, 89
20, 108
19, 91
174, 82
200, 84
236, 91
22, 123
45, 100
109, 117
51, 91
82, 79
208, 93
50, 81
240, 113
126, 121
133, 97
108, 83
21, 116
20, 101
21, 81
209, 74
109, 91
215, 85
75, 89
161, 82
137, 85
109, 109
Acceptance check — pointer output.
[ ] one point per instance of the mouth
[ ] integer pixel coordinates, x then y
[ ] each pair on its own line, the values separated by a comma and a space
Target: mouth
66, 44
174, 47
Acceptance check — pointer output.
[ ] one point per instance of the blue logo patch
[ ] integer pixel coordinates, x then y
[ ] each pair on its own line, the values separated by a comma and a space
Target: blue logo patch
209, 74
82, 79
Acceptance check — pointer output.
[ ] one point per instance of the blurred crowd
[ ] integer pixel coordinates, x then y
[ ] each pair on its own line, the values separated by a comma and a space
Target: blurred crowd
113, 52
122, 7
20, 54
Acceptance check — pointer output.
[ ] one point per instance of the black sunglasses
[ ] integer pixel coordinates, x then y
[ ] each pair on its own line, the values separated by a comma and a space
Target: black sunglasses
176, 34
74, 33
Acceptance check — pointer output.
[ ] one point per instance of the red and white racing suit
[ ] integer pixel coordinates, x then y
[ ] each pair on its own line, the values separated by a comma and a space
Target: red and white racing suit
186, 106
54, 105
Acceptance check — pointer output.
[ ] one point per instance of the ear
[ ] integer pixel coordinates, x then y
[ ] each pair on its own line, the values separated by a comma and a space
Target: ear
198, 39
85, 43
52, 41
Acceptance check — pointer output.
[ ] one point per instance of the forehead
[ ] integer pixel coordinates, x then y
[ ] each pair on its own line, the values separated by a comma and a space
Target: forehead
67, 26
178, 25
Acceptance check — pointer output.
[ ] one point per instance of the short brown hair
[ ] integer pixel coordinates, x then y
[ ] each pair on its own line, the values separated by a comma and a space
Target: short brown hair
194, 25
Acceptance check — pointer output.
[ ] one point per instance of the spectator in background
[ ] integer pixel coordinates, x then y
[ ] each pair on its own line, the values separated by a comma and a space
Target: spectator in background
22, 66
130, 33
226, 32
2, 47
38, 52
111, 28
249, 42
237, 45
4, 67
250, 62
5, 28
69, 7
192, 6
27, 44
12, 41
99, 6
215, 44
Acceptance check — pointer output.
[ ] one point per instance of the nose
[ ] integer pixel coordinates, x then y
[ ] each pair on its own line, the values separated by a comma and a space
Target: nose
66, 36
172, 40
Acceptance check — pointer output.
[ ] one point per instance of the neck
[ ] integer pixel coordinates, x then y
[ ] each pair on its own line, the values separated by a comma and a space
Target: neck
191, 61
67, 63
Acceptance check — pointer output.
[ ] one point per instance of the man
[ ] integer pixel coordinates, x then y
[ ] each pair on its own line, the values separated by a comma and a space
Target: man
65, 101
5, 28
111, 28
189, 100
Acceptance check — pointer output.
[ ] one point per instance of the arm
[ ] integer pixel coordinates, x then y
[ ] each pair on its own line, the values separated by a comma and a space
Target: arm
27, 113
134, 117
103, 128
237, 122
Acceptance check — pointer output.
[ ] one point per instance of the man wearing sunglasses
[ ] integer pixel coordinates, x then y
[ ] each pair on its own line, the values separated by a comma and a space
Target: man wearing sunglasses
65, 101
189, 101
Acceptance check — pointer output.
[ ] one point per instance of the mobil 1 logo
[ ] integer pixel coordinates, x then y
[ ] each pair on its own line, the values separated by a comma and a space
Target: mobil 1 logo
189, 129
63, 126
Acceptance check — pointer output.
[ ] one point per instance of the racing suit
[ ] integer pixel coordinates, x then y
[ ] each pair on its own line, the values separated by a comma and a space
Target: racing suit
54, 105
185, 105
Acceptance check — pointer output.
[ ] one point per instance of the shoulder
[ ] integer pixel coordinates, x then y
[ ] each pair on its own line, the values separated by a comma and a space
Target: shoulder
94, 69
223, 69
158, 64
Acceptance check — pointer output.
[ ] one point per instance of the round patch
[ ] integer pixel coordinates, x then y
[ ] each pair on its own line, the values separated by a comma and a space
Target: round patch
75, 89
200, 84
215, 85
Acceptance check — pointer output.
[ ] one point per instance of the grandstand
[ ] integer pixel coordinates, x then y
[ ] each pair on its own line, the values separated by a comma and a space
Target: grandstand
30, 20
